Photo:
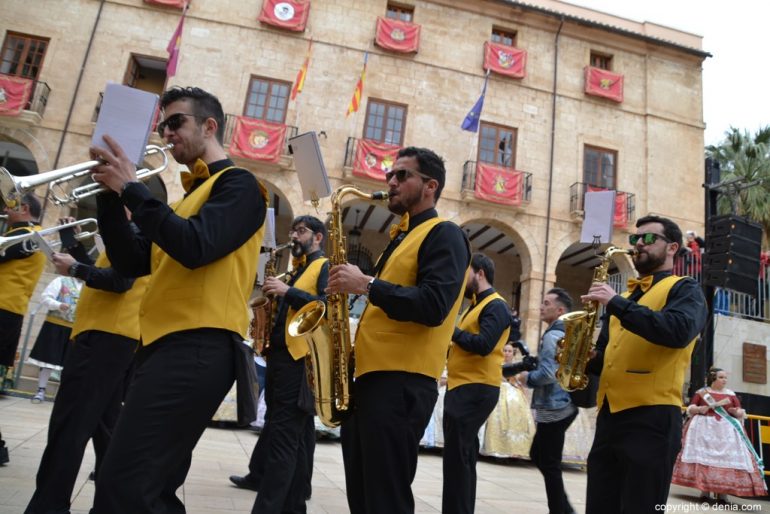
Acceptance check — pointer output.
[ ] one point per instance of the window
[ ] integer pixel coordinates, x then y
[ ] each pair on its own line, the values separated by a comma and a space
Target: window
267, 99
23, 55
146, 73
599, 167
504, 37
599, 60
400, 12
497, 145
385, 122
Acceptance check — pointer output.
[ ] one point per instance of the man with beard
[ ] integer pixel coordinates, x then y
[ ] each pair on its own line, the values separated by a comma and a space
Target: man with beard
473, 382
644, 346
282, 459
402, 338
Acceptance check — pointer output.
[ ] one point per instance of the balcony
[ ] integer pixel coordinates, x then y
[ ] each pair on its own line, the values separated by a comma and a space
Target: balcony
35, 100
259, 139
369, 159
625, 204
487, 183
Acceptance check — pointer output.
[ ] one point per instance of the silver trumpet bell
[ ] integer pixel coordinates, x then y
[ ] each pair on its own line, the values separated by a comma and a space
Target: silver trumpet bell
12, 188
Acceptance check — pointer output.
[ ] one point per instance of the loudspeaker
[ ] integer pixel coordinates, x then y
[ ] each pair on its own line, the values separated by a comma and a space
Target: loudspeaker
733, 247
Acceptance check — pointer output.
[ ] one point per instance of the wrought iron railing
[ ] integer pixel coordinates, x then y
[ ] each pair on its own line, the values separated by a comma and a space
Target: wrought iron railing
469, 181
350, 151
291, 131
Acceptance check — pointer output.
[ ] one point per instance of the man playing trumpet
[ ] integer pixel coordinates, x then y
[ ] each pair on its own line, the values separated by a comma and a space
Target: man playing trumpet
202, 255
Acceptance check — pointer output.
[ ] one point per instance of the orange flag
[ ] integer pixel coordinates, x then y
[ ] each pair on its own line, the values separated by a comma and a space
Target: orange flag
299, 83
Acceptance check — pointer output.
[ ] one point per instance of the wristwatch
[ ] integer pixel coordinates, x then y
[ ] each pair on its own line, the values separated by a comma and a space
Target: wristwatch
73, 269
369, 286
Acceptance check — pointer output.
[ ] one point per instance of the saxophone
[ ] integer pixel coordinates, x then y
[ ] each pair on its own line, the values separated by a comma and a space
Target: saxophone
326, 328
263, 307
576, 346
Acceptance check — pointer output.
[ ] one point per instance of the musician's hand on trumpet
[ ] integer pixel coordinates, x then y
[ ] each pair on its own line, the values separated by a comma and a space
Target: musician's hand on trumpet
117, 169
274, 286
347, 278
599, 292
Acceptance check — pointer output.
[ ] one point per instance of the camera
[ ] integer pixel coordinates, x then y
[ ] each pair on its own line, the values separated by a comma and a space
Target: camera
528, 363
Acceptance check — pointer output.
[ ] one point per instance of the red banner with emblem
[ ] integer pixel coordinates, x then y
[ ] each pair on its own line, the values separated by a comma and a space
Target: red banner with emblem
397, 35
499, 185
258, 140
285, 14
14, 94
620, 217
179, 4
374, 159
505, 60
604, 83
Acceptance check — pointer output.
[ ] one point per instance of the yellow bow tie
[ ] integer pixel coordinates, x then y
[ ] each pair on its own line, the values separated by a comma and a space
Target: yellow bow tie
403, 226
644, 283
200, 171
298, 262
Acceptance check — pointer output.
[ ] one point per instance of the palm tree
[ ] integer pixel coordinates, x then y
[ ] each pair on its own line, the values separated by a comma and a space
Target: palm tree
742, 156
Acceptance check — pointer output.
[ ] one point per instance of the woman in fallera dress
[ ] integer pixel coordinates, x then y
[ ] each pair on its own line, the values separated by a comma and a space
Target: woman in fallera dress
716, 456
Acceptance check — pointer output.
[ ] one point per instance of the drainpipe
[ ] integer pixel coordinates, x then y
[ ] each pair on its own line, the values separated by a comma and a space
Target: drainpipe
550, 165
75, 93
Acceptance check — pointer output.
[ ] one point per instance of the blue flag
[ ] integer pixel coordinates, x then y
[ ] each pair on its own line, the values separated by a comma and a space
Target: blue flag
471, 121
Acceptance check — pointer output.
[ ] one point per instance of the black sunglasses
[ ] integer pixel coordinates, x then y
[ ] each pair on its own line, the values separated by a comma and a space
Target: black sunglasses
173, 122
402, 175
647, 238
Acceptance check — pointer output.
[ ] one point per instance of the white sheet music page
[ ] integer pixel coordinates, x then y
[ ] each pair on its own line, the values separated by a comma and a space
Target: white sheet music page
126, 115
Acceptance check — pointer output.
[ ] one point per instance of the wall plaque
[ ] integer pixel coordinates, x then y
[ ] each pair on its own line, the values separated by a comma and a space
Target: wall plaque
754, 363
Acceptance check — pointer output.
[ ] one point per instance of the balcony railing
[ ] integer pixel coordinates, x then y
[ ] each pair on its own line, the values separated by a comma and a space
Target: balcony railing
39, 99
291, 131
350, 151
625, 203
523, 191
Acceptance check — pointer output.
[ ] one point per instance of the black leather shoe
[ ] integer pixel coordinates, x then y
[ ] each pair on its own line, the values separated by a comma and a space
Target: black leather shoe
243, 482
4, 455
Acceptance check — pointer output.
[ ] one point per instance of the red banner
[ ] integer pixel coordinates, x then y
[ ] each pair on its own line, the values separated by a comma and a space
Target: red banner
179, 4
285, 14
14, 94
499, 185
374, 159
258, 140
604, 83
505, 60
620, 218
397, 35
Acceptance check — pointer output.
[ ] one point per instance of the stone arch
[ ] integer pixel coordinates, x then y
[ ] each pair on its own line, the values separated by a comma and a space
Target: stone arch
25, 138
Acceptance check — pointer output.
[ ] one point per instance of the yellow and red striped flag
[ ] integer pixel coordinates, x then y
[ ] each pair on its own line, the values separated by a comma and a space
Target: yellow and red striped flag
300, 81
355, 102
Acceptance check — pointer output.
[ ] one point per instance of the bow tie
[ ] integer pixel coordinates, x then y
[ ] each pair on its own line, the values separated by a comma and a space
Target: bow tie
403, 226
298, 262
645, 283
200, 171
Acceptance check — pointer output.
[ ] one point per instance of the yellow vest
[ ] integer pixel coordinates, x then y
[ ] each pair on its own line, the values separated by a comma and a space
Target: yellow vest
19, 278
383, 344
465, 367
211, 296
106, 311
637, 372
307, 282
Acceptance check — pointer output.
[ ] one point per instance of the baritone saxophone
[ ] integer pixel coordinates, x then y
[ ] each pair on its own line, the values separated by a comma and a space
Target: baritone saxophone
326, 327
576, 346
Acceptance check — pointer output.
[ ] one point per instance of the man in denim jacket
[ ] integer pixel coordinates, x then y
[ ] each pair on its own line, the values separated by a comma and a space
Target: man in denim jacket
554, 411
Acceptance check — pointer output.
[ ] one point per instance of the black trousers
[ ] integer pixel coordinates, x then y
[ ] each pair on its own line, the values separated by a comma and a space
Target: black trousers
87, 407
381, 439
10, 331
179, 382
546, 453
466, 408
280, 456
632, 459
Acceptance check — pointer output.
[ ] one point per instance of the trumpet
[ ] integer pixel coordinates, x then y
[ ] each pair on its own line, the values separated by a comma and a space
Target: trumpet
12, 188
28, 238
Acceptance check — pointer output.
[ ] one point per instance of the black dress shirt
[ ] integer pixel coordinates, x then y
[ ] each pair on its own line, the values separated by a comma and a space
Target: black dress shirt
442, 260
234, 211
105, 279
297, 298
494, 319
679, 322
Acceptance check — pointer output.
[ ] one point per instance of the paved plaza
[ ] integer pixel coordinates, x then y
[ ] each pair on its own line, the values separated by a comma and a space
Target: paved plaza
508, 486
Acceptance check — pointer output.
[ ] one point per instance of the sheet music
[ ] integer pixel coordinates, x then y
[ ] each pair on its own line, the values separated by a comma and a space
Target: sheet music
41, 245
310, 167
126, 115
599, 212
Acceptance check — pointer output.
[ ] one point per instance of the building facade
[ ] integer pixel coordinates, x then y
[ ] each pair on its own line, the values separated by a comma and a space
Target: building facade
575, 101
